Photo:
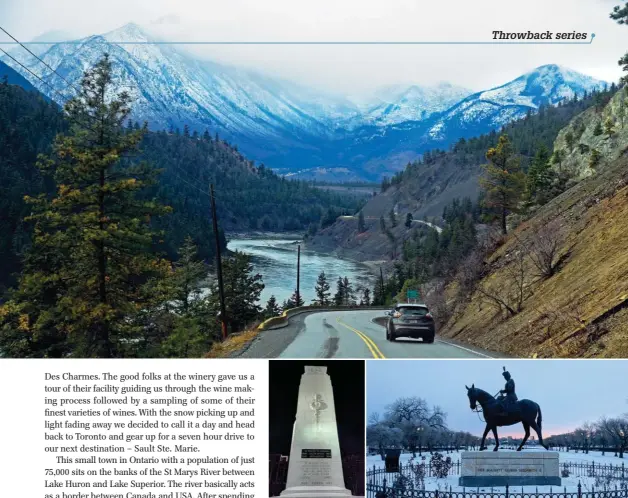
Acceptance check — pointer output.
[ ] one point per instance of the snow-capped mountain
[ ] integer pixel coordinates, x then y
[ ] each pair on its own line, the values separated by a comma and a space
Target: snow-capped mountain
285, 125
494, 108
414, 103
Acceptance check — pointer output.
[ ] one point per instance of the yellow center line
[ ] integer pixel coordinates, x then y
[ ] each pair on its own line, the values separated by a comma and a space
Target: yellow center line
367, 340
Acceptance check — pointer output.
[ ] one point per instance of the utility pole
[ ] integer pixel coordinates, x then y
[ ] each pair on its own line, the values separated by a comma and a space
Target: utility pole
298, 293
221, 289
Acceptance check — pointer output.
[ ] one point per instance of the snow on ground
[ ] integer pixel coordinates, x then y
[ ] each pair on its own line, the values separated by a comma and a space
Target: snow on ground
570, 483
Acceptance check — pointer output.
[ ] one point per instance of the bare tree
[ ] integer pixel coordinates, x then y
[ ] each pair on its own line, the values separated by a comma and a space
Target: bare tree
617, 430
544, 247
512, 292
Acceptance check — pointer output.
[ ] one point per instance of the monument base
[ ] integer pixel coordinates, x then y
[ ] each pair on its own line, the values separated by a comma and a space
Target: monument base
509, 468
497, 481
314, 492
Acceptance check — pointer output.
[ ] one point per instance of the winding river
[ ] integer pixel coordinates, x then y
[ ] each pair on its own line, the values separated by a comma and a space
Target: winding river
276, 261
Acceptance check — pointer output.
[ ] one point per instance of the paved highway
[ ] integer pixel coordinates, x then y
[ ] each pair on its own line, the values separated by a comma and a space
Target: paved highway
348, 334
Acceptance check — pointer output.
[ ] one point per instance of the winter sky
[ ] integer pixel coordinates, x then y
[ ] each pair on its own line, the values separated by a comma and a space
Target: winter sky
570, 392
350, 70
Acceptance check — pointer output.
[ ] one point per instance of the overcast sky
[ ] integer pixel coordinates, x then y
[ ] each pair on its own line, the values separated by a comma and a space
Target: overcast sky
570, 392
352, 69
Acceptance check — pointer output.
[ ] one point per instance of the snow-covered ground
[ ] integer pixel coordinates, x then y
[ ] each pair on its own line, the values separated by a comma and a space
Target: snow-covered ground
570, 483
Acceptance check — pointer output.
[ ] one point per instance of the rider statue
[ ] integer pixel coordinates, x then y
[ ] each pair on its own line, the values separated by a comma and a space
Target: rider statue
507, 395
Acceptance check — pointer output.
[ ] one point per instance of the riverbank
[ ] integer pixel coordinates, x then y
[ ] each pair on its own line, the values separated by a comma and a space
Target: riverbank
274, 256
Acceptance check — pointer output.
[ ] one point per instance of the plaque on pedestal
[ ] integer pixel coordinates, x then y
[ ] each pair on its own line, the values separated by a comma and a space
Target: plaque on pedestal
315, 465
512, 468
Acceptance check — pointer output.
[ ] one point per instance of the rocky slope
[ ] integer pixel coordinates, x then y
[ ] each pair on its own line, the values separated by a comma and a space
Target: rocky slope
581, 310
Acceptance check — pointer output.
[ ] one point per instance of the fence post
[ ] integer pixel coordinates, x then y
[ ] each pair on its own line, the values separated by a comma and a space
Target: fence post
579, 490
622, 470
506, 486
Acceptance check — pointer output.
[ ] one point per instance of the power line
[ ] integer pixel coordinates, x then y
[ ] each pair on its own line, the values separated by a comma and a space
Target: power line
39, 59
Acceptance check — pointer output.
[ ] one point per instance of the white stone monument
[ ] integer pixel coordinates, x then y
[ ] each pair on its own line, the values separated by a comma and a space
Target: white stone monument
512, 468
315, 466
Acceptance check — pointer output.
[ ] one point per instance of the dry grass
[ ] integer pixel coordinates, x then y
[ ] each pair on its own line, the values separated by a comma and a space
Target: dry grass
579, 312
232, 344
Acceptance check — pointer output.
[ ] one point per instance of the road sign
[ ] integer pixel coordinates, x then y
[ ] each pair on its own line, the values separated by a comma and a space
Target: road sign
413, 294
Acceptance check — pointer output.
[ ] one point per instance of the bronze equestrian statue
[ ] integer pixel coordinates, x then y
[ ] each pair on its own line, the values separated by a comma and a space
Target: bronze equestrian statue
506, 410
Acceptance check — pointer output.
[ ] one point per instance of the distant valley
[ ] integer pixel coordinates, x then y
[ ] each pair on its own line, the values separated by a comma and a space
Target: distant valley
297, 131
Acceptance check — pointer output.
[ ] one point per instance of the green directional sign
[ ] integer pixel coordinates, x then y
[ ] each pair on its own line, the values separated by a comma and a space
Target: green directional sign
413, 294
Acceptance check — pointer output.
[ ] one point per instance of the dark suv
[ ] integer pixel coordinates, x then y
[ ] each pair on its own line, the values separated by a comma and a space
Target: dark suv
411, 320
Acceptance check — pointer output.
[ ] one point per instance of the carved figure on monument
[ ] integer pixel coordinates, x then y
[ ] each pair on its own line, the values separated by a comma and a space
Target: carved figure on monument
315, 466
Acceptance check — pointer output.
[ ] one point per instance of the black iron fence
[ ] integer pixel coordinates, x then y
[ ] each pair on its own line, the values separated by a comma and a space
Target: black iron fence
409, 482
575, 469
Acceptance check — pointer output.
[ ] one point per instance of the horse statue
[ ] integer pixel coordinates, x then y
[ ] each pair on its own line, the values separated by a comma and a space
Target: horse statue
525, 411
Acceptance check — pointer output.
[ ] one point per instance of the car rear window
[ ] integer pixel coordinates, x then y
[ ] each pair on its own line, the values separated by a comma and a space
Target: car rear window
413, 310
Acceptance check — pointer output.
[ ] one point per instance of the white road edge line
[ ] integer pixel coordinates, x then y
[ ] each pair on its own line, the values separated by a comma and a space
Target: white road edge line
466, 349
451, 344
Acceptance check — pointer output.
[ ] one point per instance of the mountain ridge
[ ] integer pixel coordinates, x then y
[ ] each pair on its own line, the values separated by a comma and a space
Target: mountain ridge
293, 129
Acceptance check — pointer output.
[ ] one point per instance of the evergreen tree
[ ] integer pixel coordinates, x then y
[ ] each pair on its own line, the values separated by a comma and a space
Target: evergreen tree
188, 272
295, 300
538, 179
557, 158
361, 223
595, 158
242, 291
322, 290
598, 130
393, 218
339, 296
348, 295
409, 220
272, 308
609, 127
90, 270
570, 140
382, 224
503, 182
620, 15
366, 297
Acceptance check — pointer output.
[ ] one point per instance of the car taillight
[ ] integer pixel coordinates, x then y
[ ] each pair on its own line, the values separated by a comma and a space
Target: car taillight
428, 315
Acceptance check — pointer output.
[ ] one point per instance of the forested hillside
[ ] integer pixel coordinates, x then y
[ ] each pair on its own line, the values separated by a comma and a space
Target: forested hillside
248, 197
427, 186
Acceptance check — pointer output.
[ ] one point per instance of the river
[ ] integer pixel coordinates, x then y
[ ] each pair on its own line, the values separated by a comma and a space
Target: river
276, 261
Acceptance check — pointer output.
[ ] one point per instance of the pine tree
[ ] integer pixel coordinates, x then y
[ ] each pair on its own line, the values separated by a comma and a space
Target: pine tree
188, 272
409, 220
339, 296
503, 182
296, 300
538, 178
595, 158
620, 15
272, 308
393, 218
598, 130
322, 290
609, 127
570, 140
366, 297
361, 223
90, 271
242, 291
348, 297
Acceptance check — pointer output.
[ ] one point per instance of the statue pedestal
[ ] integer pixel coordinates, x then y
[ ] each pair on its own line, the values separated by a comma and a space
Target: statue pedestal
512, 468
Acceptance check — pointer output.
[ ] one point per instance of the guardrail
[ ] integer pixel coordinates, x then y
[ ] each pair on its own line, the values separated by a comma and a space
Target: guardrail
283, 320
